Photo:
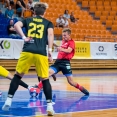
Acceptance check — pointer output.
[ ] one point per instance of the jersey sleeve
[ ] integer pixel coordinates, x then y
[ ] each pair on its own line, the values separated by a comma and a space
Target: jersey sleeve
50, 25
72, 44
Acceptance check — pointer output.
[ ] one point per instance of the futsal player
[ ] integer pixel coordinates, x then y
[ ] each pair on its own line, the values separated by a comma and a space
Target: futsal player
6, 74
34, 52
65, 54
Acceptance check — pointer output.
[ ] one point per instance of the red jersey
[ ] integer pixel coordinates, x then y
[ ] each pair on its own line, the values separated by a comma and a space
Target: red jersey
65, 45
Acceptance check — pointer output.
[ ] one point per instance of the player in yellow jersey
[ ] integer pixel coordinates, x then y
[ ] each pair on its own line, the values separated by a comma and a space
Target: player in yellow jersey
38, 30
6, 74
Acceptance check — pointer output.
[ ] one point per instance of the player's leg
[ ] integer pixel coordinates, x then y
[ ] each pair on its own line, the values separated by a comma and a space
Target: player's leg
40, 85
52, 71
6, 74
22, 83
76, 85
66, 70
42, 65
22, 67
54, 77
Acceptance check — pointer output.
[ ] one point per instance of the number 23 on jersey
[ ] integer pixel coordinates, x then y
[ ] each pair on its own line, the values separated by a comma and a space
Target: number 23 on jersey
36, 30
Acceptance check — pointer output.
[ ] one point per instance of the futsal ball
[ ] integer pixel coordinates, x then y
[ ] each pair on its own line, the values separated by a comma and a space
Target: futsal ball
34, 92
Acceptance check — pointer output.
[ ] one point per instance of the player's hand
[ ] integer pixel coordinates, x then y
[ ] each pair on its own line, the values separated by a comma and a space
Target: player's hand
28, 39
50, 56
59, 49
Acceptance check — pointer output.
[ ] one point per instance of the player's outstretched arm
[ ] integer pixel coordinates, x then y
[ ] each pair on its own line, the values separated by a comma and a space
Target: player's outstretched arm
18, 27
55, 45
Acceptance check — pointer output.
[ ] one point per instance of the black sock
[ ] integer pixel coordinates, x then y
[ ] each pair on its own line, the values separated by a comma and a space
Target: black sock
39, 79
47, 90
23, 84
14, 85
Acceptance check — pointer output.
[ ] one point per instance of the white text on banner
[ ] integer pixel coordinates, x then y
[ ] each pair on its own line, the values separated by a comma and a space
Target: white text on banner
101, 50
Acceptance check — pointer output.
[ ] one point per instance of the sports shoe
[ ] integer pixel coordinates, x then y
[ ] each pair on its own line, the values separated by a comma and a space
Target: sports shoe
85, 97
83, 90
34, 91
50, 110
7, 105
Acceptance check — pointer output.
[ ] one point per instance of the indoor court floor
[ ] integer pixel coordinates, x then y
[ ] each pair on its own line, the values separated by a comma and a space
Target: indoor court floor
67, 101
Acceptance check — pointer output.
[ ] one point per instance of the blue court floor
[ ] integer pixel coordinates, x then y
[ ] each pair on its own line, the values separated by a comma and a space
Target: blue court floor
66, 99
63, 102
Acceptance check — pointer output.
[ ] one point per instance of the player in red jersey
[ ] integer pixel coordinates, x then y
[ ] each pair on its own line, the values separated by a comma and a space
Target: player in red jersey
65, 53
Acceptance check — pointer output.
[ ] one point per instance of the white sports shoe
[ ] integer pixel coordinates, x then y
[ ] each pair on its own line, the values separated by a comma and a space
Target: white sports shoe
7, 105
50, 110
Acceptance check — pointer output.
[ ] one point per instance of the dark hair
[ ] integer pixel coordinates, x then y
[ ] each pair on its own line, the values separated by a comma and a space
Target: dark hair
66, 11
40, 8
68, 30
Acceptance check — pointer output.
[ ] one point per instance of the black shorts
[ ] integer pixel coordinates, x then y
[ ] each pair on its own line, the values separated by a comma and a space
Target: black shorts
62, 65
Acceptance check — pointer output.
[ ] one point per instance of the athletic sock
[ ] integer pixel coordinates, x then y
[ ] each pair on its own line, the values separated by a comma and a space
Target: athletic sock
47, 89
14, 85
23, 84
40, 85
39, 79
79, 87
